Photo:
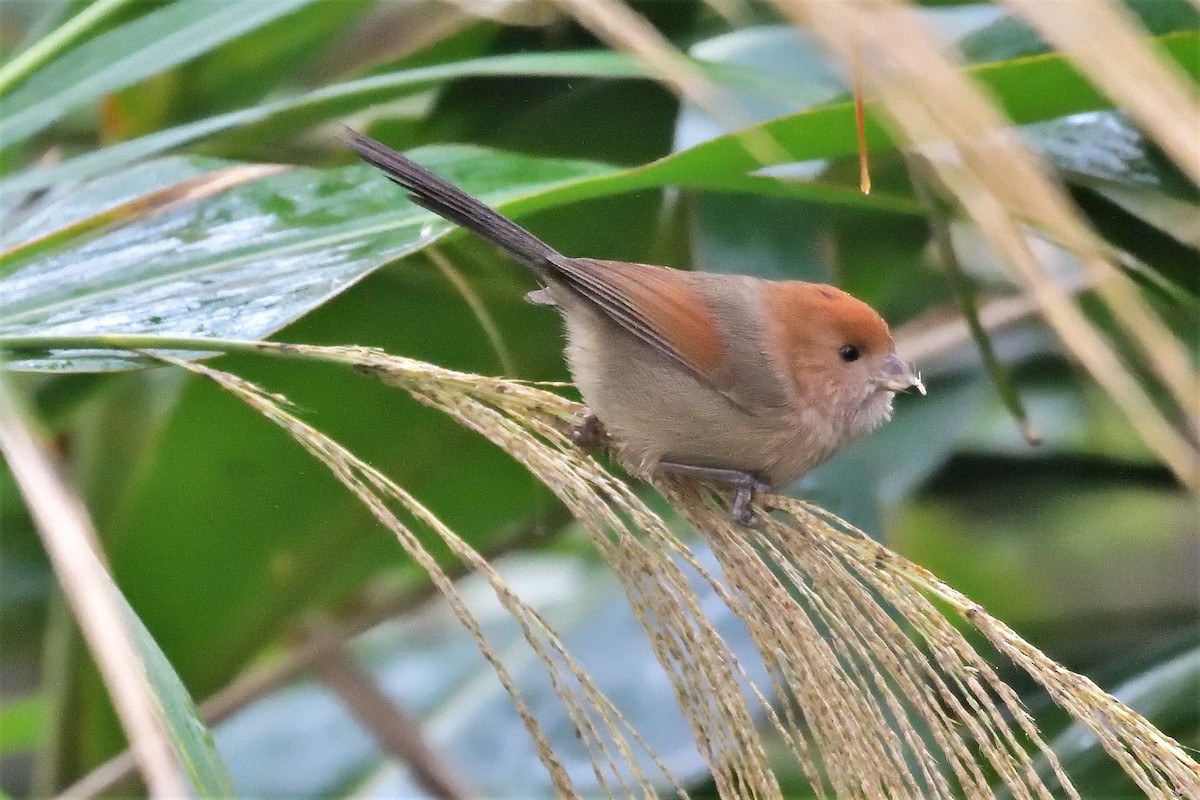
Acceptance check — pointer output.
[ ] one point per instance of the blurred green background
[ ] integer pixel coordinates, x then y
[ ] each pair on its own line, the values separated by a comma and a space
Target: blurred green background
227, 539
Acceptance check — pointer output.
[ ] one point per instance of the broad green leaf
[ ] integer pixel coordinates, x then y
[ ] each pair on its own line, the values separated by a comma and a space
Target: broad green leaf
46, 40
150, 44
65, 209
1104, 147
1010, 37
190, 738
763, 236
1027, 89
1131, 192
783, 238
822, 132
284, 117
49, 15
249, 261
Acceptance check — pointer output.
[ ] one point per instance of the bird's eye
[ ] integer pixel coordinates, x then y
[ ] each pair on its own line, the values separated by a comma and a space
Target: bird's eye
849, 353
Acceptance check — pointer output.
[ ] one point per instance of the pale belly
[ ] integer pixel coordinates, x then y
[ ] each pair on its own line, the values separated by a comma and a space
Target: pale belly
656, 410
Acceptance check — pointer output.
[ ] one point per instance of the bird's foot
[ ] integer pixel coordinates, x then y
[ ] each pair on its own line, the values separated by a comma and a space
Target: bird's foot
588, 434
745, 485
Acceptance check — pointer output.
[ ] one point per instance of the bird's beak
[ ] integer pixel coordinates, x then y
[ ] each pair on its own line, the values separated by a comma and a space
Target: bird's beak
898, 376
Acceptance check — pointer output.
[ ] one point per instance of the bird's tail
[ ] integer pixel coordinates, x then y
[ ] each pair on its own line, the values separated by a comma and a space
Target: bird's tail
447, 200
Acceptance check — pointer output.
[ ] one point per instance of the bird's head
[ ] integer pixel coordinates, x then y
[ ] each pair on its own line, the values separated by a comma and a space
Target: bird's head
840, 358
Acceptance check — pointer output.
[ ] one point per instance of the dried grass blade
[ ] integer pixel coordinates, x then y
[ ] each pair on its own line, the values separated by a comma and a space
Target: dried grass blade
1004, 189
70, 541
1103, 39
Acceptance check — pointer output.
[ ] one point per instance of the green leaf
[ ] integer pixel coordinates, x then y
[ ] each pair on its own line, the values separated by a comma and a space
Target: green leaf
1010, 37
287, 116
190, 738
1131, 192
23, 725
1028, 90
66, 210
45, 48
822, 132
1106, 148
275, 56
252, 260
147, 46
247, 262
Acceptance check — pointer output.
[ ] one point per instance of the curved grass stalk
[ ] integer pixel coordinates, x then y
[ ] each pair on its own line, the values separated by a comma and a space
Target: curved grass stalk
603, 730
876, 691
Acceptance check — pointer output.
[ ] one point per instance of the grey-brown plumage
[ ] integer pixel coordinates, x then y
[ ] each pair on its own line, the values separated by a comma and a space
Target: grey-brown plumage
725, 377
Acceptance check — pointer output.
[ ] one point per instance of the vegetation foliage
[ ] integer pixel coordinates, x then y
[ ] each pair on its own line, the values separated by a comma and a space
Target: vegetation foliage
173, 194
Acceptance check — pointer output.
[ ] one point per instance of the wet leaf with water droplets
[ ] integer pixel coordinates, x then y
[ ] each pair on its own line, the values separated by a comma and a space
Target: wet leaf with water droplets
241, 264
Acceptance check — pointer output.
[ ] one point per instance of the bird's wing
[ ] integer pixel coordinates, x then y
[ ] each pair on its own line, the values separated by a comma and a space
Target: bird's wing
660, 306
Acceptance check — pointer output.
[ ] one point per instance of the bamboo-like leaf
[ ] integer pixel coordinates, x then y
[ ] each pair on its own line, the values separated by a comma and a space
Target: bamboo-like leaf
170, 744
810, 134
287, 116
1152, 91
146, 46
46, 48
250, 260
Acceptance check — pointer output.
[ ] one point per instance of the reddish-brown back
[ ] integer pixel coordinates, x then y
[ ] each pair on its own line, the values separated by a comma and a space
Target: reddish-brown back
659, 305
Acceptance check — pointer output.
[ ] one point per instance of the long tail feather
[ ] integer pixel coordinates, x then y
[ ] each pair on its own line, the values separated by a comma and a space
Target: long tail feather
447, 200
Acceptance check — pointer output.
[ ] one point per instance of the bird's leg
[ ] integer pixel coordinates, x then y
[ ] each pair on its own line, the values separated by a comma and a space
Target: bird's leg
745, 485
588, 434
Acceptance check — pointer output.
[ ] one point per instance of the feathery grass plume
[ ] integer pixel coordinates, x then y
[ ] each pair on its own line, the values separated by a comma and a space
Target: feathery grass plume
533, 425
1005, 190
1158, 764
874, 689
608, 738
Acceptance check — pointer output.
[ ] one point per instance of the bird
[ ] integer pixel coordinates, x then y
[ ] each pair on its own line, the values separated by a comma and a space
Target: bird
726, 378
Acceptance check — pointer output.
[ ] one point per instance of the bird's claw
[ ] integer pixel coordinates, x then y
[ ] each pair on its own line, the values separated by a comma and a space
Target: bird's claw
588, 434
744, 491
745, 486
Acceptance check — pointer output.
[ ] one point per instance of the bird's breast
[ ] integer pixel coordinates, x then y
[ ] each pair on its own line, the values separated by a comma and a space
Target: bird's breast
657, 410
